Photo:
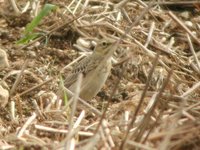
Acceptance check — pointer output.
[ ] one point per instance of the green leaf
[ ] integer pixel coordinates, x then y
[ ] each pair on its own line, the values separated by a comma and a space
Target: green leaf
28, 34
44, 12
28, 38
64, 92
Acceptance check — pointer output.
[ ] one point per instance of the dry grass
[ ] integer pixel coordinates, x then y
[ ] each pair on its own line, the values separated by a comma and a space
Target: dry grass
150, 101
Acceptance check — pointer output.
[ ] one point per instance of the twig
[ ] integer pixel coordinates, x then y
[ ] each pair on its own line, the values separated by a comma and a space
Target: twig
108, 103
73, 110
191, 90
49, 129
18, 78
146, 119
184, 26
140, 103
28, 122
35, 87
93, 109
139, 145
178, 2
14, 6
193, 52
150, 34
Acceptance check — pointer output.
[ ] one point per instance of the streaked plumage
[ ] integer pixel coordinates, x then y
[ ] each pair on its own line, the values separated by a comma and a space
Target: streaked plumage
95, 70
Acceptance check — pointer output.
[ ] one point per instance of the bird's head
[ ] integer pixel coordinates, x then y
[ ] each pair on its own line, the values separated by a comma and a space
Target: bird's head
103, 46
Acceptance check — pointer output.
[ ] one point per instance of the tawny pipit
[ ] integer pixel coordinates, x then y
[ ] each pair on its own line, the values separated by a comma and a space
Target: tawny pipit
95, 69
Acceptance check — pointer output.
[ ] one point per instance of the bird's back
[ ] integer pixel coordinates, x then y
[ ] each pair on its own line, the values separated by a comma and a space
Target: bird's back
84, 66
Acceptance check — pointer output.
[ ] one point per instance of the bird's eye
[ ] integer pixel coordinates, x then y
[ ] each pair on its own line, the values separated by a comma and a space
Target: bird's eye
104, 44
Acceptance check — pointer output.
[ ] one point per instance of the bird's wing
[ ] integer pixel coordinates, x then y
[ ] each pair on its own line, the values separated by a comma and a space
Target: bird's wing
84, 66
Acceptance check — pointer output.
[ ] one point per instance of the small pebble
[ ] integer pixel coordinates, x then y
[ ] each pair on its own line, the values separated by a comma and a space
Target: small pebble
3, 59
4, 95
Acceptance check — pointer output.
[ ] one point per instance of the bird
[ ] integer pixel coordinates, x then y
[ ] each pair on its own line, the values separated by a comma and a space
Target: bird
95, 69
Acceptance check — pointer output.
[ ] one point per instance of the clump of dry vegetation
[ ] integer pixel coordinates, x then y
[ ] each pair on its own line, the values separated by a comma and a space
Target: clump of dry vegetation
150, 100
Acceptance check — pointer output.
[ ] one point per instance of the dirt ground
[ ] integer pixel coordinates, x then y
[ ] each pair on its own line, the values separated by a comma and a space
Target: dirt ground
151, 99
